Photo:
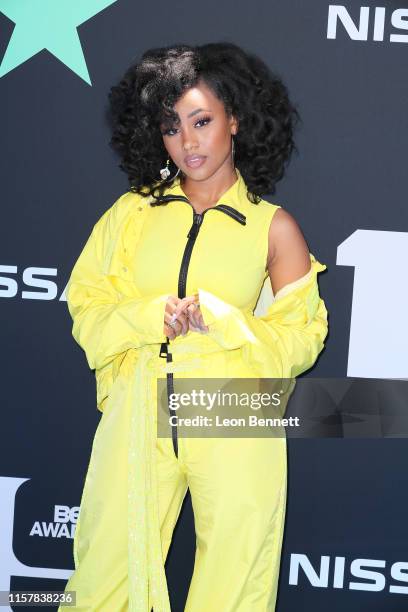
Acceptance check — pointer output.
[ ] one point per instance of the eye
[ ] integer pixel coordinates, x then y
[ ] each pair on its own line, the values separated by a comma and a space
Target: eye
168, 132
204, 120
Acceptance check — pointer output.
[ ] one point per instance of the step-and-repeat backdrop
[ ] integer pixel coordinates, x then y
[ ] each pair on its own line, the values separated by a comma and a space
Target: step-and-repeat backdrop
345, 545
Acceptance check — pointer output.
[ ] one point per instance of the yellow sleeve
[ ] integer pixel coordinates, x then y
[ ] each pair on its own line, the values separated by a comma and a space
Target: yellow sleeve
106, 323
285, 341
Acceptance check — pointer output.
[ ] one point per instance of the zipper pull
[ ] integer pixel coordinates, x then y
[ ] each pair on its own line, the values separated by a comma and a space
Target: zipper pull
163, 349
197, 220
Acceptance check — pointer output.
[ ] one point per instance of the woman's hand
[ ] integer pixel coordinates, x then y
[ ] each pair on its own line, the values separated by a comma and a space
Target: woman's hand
195, 316
186, 315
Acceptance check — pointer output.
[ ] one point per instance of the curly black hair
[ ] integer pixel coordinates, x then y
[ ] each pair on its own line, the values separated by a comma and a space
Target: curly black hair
145, 96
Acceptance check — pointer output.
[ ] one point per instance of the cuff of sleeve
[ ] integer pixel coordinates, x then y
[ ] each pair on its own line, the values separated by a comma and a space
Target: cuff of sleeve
156, 308
315, 267
146, 315
212, 308
227, 324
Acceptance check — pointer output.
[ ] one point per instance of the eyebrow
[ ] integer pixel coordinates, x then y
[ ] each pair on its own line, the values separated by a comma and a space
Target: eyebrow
198, 110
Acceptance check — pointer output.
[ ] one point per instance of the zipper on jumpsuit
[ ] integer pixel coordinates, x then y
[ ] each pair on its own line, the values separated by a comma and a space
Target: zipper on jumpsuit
182, 282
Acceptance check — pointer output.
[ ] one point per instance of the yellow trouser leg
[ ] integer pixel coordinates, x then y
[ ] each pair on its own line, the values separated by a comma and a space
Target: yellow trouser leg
238, 491
172, 487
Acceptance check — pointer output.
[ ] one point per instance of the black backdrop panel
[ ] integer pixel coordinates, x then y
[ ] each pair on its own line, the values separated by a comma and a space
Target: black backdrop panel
345, 69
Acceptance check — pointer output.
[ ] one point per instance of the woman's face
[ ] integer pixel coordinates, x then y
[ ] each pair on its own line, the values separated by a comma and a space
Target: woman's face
200, 144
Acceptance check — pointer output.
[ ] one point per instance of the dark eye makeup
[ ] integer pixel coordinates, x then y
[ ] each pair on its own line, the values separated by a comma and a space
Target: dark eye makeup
203, 120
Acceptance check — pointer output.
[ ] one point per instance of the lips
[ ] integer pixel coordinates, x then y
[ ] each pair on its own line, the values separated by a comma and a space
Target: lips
193, 161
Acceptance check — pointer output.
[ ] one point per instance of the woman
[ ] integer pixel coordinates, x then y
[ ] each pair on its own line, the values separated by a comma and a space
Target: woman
166, 287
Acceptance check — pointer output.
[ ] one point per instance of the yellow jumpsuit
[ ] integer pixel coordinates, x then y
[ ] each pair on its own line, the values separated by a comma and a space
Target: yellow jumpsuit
138, 255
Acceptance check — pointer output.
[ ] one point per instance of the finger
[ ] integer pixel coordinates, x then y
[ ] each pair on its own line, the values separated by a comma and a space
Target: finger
195, 328
178, 328
183, 319
192, 315
193, 305
169, 331
173, 323
174, 314
197, 323
172, 303
202, 322
197, 317
184, 303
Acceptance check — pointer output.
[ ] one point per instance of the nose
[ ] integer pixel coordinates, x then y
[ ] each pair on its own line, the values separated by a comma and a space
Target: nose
189, 140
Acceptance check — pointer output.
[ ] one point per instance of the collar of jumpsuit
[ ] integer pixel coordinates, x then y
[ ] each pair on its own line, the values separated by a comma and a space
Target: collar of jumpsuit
283, 342
235, 196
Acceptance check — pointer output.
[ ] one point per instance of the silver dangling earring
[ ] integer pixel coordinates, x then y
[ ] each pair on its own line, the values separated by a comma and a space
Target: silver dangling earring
165, 172
233, 152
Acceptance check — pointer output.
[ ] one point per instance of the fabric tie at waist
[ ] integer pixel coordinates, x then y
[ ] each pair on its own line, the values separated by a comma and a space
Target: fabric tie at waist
146, 566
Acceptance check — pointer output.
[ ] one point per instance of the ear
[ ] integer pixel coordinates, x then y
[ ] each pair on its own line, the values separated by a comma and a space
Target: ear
233, 125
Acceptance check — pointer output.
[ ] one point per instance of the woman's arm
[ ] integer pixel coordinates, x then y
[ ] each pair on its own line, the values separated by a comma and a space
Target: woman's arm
105, 323
288, 253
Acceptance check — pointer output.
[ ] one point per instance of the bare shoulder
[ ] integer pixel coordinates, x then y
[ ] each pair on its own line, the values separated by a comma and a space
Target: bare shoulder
288, 252
283, 226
